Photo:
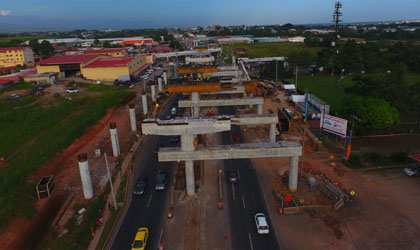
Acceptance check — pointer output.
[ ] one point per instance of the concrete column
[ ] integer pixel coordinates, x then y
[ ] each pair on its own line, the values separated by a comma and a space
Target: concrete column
260, 109
114, 139
133, 120
85, 176
144, 102
153, 90
195, 110
272, 132
165, 78
160, 87
293, 173
251, 95
189, 177
187, 144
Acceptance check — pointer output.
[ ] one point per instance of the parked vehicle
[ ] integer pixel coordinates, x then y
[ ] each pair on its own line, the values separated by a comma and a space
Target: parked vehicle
161, 181
140, 240
140, 187
413, 171
237, 137
261, 223
73, 91
173, 111
175, 138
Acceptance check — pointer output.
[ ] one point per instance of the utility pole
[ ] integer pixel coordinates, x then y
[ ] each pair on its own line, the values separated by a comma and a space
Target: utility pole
350, 136
337, 20
110, 182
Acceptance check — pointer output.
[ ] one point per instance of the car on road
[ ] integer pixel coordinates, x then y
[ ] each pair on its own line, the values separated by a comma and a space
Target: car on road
73, 91
175, 138
140, 240
140, 186
233, 176
161, 180
412, 171
237, 137
261, 223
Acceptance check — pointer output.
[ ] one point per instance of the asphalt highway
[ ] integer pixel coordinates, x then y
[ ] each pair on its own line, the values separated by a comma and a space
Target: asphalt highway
245, 199
149, 209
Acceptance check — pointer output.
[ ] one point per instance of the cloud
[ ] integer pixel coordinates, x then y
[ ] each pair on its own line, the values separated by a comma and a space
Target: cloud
5, 12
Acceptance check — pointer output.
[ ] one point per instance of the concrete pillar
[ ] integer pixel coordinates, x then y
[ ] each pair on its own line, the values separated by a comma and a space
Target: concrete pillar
114, 139
251, 95
293, 173
195, 110
85, 176
189, 177
144, 102
259, 109
153, 90
160, 87
165, 78
133, 120
272, 132
187, 144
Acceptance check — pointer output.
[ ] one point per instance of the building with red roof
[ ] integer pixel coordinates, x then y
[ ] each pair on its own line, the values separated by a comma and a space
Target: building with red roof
65, 65
14, 56
109, 69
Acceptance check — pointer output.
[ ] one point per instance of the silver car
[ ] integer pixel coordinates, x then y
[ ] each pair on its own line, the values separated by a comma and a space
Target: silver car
412, 171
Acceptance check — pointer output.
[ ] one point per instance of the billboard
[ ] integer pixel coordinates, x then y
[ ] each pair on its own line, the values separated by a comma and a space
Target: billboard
334, 125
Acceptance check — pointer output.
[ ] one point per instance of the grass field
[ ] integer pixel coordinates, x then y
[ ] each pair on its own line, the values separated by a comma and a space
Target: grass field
325, 87
269, 49
33, 131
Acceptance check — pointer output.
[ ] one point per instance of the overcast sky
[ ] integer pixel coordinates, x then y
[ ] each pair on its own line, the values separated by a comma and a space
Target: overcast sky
181, 13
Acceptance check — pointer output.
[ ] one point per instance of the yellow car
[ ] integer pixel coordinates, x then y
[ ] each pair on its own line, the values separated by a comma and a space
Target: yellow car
140, 240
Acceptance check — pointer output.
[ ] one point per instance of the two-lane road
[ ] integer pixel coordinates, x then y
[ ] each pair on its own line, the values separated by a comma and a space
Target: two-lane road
245, 199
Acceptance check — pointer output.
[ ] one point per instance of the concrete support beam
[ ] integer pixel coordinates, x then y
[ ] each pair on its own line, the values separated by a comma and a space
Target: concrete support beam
260, 109
183, 126
293, 173
237, 151
254, 119
272, 132
189, 177
234, 90
195, 109
153, 90
187, 143
144, 103
133, 121
85, 176
222, 102
160, 87
114, 139
251, 95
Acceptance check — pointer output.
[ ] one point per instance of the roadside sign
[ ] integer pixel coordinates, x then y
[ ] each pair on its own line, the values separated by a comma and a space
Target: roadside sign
334, 125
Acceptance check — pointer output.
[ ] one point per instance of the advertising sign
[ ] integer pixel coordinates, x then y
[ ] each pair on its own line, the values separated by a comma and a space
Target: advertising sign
334, 125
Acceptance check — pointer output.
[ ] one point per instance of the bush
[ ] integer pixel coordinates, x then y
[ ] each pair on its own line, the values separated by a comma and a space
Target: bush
354, 162
374, 158
399, 157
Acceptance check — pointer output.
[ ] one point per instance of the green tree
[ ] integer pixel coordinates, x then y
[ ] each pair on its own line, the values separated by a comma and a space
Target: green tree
45, 48
96, 41
34, 44
374, 113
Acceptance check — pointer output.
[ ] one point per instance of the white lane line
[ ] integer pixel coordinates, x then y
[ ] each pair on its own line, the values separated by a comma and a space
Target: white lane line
233, 191
250, 241
160, 237
243, 201
148, 203
239, 175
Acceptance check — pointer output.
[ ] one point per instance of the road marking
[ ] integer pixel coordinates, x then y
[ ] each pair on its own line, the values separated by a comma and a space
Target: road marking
239, 175
243, 201
250, 241
233, 191
160, 237
148, 203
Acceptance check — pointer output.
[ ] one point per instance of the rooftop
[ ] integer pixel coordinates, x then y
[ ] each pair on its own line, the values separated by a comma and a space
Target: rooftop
97, 51
67, 59
110, 62
12, 48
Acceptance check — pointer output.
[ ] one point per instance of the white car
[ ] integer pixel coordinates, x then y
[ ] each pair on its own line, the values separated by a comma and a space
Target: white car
261, 223
72, 91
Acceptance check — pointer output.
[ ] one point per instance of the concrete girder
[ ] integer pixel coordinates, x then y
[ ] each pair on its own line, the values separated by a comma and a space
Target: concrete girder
184, 126
222, 102
254, 119
237, 151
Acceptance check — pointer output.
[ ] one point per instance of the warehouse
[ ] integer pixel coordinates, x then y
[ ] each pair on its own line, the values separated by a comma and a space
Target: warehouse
65, 65
109, 69
114, 52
